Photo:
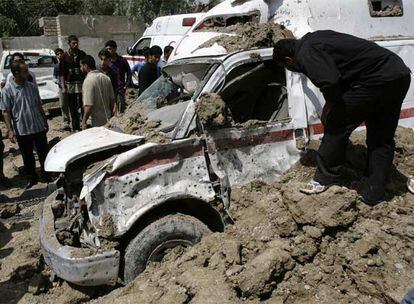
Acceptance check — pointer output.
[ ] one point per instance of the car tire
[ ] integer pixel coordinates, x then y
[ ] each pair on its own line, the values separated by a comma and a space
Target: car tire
154, 240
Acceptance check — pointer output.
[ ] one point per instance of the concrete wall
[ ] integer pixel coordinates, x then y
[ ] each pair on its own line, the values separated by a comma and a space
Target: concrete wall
93, 32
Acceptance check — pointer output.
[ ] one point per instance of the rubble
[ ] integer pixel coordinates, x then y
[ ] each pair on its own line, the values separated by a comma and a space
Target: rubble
211, 110
244, 36
9, 210
286, 247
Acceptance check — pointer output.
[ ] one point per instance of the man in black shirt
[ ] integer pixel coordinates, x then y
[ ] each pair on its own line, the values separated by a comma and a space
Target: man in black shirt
361, 82
149, 71
72, 79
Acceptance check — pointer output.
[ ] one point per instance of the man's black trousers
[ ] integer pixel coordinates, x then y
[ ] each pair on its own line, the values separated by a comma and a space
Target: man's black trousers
75, 104
379, 107
26, 144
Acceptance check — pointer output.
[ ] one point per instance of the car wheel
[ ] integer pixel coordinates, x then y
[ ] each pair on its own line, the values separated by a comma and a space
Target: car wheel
158, 238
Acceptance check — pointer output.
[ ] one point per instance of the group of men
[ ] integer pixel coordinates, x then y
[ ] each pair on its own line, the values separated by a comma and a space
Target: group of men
87, 93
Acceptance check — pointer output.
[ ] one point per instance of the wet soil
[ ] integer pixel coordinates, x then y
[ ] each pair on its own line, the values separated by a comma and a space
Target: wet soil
246, 36
285, 247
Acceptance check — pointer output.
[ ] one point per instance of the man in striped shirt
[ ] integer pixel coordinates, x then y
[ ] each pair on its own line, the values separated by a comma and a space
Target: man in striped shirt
25, 120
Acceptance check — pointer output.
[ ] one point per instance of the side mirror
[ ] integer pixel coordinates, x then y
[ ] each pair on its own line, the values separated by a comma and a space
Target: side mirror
130, 50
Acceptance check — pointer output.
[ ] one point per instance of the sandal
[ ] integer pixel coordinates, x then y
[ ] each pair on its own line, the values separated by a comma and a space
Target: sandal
313, 188
410, 185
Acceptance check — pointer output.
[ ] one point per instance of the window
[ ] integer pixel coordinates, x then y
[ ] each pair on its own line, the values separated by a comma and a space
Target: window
146, 42
256, 93
386, 8
34, 61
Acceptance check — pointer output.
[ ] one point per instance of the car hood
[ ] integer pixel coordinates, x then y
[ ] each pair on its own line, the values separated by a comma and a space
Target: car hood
85, 143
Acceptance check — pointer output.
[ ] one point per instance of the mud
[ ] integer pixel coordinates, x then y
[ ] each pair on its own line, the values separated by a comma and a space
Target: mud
107, 226
9, 210
286, 247
389, 11
134, 122
211, 110
247, 36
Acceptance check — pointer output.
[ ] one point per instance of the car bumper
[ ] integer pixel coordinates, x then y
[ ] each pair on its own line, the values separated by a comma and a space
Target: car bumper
75, 265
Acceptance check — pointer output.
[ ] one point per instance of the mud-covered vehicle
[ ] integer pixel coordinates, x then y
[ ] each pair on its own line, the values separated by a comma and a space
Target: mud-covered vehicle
126, 200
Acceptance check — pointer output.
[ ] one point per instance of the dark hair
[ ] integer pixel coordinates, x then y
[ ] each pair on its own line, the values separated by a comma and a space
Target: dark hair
168, 49
59, 50
155, 50
17, 54
72, 38
15, 67
146, 51
284, 48
111, 43
104, 53
89, 61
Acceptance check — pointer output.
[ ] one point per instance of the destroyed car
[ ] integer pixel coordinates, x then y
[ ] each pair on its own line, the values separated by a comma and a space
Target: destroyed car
127, 200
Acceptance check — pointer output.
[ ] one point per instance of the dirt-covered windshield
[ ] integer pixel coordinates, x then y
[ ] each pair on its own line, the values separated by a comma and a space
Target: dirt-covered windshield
221, 23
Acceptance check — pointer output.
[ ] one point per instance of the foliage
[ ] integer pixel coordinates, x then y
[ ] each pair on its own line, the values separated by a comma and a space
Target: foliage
20, 17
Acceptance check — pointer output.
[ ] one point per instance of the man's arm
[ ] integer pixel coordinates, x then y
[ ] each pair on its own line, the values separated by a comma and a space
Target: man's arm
7, 121
62, 76
87, 110
40, 108
321, 69
128, 74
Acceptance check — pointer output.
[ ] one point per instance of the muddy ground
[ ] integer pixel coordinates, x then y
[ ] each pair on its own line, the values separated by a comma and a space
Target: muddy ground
284, 247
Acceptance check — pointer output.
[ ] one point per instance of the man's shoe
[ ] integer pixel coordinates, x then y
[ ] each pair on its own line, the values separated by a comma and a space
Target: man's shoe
313, 188
368, 193
31, 183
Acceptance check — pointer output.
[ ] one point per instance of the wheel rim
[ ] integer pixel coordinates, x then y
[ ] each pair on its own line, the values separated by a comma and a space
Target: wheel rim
161, 250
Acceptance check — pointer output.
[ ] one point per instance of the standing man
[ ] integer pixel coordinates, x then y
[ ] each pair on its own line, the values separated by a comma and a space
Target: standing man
121, 68
72, 79
149, 71
137, 68
105, 58
63, 101
98, 95
164, 60
361, 82
25, 120
4, 181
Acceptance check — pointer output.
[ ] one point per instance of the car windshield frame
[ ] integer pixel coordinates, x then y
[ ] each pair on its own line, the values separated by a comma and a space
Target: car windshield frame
29, 57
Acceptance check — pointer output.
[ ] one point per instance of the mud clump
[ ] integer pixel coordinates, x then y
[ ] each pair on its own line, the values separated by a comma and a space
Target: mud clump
211, 110
106, 226
9, 210
134, 122
244, 36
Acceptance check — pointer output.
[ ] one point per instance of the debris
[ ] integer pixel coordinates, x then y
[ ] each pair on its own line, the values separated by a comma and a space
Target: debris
211, 110
244, 36
9, 210
107, 226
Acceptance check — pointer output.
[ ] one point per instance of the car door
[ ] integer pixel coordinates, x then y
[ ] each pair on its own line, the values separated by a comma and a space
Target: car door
257, 141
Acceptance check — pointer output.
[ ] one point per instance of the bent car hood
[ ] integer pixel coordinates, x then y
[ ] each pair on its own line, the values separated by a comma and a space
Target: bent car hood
85, 143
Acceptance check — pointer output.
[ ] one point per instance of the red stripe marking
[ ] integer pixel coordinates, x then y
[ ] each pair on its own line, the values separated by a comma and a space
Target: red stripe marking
134, 59
318, 129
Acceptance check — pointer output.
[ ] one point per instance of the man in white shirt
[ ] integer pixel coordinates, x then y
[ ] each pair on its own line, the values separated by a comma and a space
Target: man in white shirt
98, 94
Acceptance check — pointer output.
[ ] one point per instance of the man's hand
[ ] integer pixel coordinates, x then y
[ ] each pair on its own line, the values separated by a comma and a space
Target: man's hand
11, 137
326, 110
64, 89
288, 34
46, 126
84, 126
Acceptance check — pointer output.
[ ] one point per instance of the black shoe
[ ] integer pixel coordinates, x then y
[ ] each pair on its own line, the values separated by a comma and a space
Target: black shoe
31, 183
45, 178
371, 195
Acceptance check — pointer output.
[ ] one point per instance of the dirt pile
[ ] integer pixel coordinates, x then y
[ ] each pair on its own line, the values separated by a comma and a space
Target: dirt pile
247, 36
211, 110
134, 122
286, 247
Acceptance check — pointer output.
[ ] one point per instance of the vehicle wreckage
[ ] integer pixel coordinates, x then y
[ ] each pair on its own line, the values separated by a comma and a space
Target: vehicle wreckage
219, 121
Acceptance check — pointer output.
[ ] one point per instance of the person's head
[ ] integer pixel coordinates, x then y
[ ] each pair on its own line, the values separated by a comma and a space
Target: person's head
284, 53
59, 53
167, 52
19, 71
87, 64
105, 58
111, 46
73, 43
17, 57
146, 53
155, 54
